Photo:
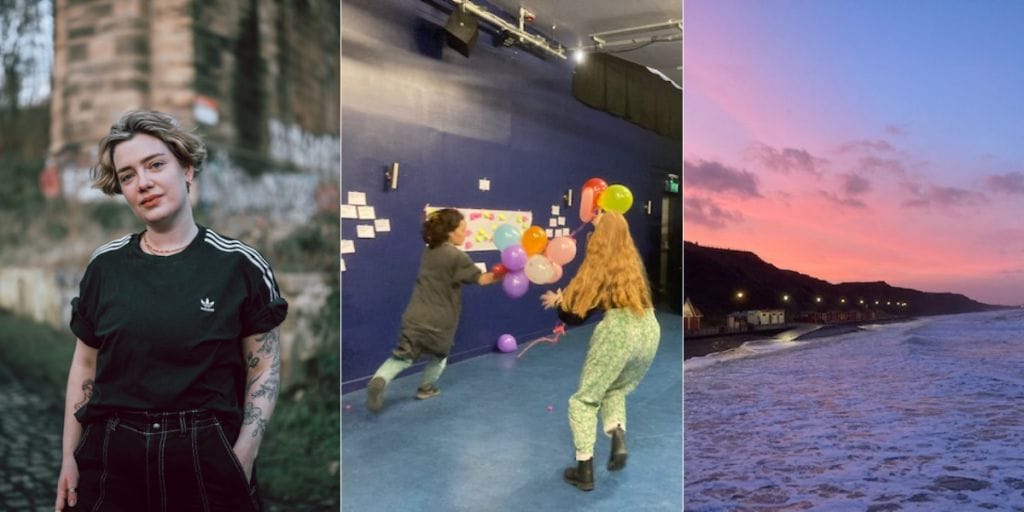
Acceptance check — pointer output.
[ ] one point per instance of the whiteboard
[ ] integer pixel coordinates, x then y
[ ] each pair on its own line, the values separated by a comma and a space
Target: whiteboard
481, 223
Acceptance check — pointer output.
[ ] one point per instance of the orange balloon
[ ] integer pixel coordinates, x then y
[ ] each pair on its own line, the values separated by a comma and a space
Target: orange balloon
534, 240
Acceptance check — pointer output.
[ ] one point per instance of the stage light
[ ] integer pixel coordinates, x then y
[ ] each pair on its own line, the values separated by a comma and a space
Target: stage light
462, 29
579, 56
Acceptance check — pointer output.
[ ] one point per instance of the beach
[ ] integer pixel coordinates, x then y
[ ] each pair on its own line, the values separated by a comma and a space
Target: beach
697, 346
922, 415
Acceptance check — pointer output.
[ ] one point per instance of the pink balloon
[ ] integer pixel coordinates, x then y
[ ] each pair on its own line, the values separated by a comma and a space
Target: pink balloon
589, 195
557, 272
561, 250
587, 203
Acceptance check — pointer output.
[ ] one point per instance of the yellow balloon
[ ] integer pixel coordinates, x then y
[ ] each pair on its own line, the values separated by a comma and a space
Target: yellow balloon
616, 198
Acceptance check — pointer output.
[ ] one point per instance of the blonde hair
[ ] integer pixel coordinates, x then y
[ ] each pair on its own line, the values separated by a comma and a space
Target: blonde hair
611, 275
187, 148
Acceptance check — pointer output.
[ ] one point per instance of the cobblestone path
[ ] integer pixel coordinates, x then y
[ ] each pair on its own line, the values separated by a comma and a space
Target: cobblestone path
30, 430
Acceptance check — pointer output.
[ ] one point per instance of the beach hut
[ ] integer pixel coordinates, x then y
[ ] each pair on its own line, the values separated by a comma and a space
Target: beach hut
763, 317
737, 321
691, 316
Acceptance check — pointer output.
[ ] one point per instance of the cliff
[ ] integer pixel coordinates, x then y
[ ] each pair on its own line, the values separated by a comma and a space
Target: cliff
712, 278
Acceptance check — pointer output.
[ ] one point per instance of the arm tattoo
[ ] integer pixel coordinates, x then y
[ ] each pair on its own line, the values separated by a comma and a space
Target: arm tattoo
269, 347
270, 343
87, 391
252, 415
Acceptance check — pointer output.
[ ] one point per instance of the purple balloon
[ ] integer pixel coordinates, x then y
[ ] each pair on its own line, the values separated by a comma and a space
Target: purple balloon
513, 257
515, 284
507, 343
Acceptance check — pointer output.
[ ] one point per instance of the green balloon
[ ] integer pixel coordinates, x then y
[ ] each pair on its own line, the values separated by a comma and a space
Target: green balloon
616, 198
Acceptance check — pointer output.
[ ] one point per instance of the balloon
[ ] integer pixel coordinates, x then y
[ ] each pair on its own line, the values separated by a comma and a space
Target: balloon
507, 343
499, 270
617, 198
561, 250
514, 258
597, 183
587, 204
534, 240
589, 195
515, 284
538, 269
557, 273
506, 235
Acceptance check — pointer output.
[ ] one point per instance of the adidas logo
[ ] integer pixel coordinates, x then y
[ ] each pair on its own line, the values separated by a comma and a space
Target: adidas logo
206, 305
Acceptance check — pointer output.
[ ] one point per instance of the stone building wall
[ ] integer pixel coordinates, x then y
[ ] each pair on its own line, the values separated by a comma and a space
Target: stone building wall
258, 78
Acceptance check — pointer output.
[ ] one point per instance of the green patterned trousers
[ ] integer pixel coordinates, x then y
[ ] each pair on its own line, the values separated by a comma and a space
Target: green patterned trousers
621, 350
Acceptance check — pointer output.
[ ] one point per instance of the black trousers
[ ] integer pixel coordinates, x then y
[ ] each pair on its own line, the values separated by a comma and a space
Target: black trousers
161, 462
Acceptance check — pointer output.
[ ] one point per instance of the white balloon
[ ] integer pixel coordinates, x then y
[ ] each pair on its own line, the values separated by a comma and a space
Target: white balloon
539, 270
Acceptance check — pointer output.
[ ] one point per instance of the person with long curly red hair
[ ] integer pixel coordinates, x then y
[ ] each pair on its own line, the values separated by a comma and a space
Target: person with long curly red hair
611, 278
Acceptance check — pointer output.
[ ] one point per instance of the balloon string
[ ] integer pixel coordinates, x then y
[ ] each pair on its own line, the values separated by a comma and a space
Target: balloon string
577, 230
556, 333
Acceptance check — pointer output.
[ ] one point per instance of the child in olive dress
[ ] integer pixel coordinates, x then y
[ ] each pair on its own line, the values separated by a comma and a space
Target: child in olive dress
430, 319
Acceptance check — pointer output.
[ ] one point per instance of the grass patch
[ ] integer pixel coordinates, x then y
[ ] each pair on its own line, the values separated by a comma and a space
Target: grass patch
36, 352
299, 459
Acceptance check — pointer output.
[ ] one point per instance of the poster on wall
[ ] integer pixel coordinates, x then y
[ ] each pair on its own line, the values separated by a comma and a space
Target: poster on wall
481, 223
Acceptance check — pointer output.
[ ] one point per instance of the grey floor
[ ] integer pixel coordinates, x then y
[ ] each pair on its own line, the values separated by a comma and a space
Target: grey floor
489, 443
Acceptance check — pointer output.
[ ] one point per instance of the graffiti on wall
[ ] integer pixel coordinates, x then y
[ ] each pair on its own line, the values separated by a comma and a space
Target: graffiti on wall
289, 143
282, 196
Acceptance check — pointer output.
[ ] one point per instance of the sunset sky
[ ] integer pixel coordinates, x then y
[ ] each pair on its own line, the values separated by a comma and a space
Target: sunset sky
860, 140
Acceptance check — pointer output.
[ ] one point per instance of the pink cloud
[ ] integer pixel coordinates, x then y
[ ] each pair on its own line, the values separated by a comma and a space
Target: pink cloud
873, 164
942, 197
786, 161
706, 212
855, 185
865, 145
1009, 183
845, 202
892, 129
717, 177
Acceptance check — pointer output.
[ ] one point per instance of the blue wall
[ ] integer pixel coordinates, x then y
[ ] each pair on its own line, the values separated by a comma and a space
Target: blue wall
501, 114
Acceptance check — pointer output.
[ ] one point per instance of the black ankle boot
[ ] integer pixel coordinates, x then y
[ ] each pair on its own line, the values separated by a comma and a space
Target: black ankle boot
617, 460
582, 476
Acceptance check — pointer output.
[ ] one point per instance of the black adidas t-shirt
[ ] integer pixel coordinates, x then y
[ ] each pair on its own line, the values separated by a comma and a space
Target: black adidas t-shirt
168, 329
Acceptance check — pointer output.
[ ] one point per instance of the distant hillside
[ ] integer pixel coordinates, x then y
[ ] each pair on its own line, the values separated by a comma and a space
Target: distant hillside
712, 278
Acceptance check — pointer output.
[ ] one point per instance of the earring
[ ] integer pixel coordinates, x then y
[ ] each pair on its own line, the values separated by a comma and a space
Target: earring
188, 186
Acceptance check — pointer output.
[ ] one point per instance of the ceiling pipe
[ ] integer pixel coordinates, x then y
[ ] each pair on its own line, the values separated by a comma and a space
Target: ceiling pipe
521, 33
677, 24
601, 41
